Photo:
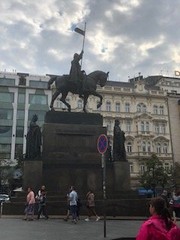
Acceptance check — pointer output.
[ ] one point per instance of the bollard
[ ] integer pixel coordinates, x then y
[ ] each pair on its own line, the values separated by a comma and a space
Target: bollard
1, 210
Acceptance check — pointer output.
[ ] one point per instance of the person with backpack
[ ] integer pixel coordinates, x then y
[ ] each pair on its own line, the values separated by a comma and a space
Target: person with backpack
159, 226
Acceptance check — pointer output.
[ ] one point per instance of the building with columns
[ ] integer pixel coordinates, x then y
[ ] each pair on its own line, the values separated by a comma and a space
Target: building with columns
144, 107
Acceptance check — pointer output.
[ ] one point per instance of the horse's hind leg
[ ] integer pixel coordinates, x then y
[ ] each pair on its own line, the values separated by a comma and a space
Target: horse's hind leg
54, 96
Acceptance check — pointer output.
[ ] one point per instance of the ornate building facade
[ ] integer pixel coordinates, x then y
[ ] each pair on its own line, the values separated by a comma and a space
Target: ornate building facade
144, 108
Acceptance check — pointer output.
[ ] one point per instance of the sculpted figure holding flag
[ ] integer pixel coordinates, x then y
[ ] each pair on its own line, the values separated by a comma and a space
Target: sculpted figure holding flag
76, 74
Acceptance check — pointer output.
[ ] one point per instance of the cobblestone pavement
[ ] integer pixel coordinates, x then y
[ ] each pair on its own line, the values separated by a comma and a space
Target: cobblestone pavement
57, 229
12, 228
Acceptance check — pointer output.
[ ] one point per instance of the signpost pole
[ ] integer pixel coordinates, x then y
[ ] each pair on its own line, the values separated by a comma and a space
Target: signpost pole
102, 145
104, 191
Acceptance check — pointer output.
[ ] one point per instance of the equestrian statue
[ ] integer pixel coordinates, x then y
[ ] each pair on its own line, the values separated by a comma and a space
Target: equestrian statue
77, 82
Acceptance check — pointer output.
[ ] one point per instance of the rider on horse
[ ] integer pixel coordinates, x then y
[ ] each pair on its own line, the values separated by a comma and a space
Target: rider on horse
76, 74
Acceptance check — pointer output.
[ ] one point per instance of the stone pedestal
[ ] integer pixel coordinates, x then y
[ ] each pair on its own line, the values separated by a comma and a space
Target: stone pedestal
32, 174
121, 176
70, 155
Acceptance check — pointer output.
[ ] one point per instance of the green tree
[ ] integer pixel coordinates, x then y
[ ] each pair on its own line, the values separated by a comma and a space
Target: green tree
154, 175
176, 175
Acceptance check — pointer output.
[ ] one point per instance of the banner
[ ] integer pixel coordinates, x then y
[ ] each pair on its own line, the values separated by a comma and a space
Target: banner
80, 31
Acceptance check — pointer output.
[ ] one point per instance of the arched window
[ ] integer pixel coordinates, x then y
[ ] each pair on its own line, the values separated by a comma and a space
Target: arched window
155, 109
108, 106
117, 107
141, 107
80, 104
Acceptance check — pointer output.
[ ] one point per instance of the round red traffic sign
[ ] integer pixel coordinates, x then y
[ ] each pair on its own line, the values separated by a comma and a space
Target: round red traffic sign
102, 143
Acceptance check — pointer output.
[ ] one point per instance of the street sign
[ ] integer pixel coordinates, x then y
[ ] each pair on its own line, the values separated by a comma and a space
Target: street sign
102, 143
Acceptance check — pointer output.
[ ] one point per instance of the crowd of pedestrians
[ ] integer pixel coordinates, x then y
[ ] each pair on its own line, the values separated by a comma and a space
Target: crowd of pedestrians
160, 226
37, 203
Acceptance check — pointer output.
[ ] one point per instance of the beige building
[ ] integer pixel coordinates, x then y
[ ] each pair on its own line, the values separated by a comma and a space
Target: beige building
143, 113
147, 108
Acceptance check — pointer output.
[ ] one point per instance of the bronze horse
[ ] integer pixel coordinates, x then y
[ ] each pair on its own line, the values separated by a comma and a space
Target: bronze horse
63, 86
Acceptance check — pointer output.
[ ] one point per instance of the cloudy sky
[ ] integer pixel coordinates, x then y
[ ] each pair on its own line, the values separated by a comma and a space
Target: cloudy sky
124, 37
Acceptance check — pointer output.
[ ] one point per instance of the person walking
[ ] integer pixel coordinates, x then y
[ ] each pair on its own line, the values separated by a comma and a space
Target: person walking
73, 197
68, 206
91, 206
160, 225
30, 205
42, 203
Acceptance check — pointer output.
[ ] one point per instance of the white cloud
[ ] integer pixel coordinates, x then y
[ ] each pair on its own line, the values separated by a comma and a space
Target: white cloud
123, 36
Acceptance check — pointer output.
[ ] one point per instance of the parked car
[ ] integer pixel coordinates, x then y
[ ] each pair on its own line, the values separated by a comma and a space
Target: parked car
145, 192
4, 197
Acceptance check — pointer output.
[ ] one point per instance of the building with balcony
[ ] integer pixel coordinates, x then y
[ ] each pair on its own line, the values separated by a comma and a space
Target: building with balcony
144, 108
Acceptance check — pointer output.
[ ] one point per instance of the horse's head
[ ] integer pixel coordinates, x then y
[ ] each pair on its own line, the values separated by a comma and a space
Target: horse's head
103, 78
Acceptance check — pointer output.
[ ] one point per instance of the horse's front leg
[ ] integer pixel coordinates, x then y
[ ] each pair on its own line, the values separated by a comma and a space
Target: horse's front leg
99, 96
54, 96
85, 102
63, 99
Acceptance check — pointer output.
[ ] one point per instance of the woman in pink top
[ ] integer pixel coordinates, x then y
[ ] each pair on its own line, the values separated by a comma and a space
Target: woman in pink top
160, 225
30, 204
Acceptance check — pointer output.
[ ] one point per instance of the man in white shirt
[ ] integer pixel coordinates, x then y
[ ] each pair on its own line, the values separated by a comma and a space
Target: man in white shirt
73, 197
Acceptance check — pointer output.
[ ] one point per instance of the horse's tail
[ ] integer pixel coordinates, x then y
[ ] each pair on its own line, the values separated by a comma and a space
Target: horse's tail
51, 80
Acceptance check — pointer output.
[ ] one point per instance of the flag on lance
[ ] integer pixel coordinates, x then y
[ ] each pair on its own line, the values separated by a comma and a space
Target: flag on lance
80, 31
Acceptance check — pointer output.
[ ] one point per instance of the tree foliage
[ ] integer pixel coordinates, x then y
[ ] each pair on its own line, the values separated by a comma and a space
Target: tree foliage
154, 175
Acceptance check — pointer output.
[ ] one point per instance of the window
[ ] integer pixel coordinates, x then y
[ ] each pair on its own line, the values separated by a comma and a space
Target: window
155, 109
5, 147
38, 99
19, 132
165, 148
20, 114
40, 114
6, 97
127, 107
147, 126
128, 125
158, 148
108, 106
131, 168
142, 169
21, 98
80, 104
149, 147
117, 107
129, 147
163, 128
7, 82
142, 127
161, 110
5, 131
38, 84
143, 146
141, 107
167, 167
6, 114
